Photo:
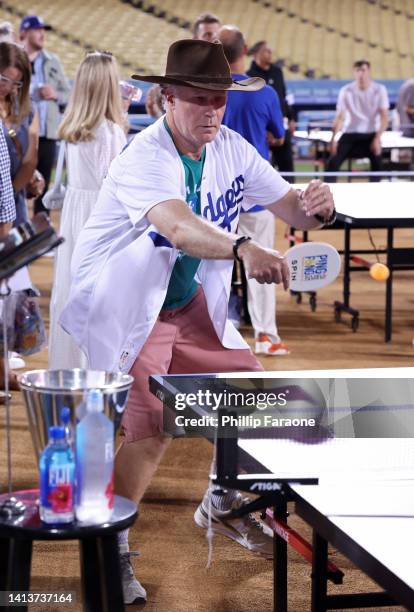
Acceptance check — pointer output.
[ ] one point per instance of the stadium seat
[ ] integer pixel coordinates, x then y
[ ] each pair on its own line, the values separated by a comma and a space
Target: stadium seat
311, 36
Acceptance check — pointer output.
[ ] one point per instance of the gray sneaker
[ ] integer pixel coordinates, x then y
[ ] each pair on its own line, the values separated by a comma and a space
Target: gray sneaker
246, 530
134, 592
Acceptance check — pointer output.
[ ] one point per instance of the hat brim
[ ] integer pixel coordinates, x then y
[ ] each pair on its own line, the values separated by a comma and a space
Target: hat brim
38, 27
251, 84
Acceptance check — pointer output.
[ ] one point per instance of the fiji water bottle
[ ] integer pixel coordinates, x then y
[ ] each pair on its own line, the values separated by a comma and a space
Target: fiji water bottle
57, 477
94, 462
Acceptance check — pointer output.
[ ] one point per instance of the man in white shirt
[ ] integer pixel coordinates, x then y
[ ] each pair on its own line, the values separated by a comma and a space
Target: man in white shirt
152, 267
362, 116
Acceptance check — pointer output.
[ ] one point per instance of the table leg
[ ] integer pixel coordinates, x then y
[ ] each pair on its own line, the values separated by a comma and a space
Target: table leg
319, 573
280, 599
15, 564
344, 305
4, 562
388, 290
347, 265
101, 574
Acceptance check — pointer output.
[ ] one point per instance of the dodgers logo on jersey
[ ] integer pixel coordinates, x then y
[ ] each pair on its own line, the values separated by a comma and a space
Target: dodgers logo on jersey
226, 208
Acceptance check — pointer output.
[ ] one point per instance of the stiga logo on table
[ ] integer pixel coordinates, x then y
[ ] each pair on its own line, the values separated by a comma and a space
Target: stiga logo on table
225, 209
315, 267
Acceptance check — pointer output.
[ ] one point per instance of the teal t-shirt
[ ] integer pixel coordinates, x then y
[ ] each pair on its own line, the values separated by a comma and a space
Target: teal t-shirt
182, 285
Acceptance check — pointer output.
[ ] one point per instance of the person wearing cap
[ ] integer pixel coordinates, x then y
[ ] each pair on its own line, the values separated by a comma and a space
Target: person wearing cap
151, 270
49, 90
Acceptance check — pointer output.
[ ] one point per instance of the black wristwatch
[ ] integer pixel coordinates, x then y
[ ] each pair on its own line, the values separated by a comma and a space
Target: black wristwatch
236, 245
329, 221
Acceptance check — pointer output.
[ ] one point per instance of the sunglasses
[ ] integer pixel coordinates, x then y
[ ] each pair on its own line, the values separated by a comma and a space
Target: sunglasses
13, 84
107, 54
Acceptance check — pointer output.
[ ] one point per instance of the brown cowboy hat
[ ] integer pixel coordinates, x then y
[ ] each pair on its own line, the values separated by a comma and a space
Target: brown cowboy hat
198, 63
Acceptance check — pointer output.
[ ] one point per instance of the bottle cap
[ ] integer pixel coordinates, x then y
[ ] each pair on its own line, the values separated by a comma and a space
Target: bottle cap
57, 433
65, 415
95, 401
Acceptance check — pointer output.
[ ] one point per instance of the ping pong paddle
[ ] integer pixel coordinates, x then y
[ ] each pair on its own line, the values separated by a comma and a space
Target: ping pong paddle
312, 265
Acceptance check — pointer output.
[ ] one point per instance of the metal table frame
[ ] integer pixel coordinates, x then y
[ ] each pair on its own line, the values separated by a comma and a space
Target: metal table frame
229, 459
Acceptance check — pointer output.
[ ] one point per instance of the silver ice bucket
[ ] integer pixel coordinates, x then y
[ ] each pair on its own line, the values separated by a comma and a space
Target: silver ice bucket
46, 392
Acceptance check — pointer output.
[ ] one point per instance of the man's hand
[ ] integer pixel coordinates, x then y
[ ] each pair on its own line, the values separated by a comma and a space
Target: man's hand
317, 199
333, 147
47, 92
375, 145
36, 186
264, 265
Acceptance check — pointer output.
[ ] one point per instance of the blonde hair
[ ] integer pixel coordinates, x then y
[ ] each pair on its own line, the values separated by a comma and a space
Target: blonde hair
18, 102
95, 96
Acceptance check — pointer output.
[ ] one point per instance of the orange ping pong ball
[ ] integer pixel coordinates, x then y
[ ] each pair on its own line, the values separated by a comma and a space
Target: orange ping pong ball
379, 272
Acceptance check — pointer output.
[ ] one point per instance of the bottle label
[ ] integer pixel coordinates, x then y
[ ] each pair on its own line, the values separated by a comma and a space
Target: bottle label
59, 475
57, 489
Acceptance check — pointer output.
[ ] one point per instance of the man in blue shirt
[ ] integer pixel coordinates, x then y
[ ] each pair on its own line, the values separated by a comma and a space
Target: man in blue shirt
258, 118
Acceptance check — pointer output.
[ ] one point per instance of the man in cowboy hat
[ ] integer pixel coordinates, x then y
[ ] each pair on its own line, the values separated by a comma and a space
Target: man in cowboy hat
152, 267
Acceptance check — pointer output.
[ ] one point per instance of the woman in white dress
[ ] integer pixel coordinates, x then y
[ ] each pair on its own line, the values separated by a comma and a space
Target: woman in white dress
93, 131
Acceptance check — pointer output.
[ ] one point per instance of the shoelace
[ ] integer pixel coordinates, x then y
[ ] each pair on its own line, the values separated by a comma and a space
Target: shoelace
125, 560
243, 501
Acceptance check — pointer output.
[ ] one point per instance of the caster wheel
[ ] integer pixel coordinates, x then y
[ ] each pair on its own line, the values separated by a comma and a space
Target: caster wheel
355, 323
337, 315
298, 298
312, 302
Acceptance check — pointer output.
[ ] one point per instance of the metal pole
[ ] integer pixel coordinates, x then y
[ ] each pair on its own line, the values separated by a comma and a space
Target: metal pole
11, 506
4, 294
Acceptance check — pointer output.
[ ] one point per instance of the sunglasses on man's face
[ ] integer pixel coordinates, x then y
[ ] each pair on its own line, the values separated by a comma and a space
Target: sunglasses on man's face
13, 84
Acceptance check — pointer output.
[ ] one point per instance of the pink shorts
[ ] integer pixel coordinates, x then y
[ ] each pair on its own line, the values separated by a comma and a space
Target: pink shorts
182, 341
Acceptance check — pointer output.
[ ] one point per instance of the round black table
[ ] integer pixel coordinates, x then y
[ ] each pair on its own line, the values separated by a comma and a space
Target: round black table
99, 554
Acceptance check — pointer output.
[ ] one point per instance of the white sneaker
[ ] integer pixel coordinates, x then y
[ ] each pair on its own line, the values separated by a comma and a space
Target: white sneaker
134, 592
264, 346
246, 530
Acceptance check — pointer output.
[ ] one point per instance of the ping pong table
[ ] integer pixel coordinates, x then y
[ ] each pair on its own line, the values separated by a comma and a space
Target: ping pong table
356, 493
389, 139
322, 138
385, 205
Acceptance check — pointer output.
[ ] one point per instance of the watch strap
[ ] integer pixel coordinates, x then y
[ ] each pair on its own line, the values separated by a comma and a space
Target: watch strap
236, 245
